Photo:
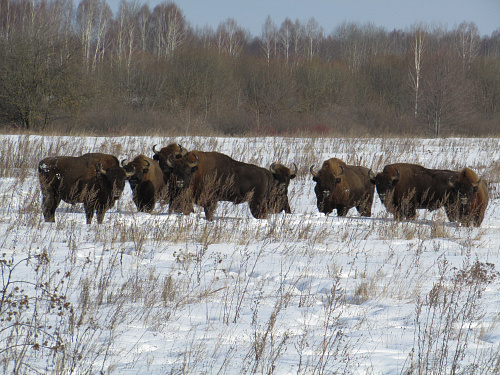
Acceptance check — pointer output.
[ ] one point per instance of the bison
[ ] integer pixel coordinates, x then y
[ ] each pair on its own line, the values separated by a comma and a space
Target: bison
177, 201
211, 177
147, 182
282, 176
403, 188
94, 179
340, 186
468, 198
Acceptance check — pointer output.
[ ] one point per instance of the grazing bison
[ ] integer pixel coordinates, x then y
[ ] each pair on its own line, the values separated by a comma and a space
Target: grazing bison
468, 198
176, 199
211, 177
403, 188
340, 186
147, 182
95, 179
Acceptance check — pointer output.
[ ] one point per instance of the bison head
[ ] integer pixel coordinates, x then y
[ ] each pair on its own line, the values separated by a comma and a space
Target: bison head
172, 149
384, 182
464, 186
183, 169
282, 176
326, 182
138, 167
114, 177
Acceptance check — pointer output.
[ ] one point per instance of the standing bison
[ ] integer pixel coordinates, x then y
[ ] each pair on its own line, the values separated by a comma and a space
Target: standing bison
147, 182
95, 179
468, 198
175, 197
211, 177
403, 188
340, 186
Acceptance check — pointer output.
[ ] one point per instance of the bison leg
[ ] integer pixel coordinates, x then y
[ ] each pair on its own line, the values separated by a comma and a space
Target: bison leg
145, 197
364, 210
342, 210
258, 210
145, 204
49, 205
209, 209
89, 212
100, 214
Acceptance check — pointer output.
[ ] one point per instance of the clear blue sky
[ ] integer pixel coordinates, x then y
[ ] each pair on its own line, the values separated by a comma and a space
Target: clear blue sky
391, 14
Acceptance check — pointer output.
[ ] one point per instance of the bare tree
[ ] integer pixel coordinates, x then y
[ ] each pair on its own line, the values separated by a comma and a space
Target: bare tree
169, 29
314, 33
418, 49
285, 36
467, 43
230, 38
93, 20
127, 33
142, 22
268, 40
298, 38
447, 96
353, 44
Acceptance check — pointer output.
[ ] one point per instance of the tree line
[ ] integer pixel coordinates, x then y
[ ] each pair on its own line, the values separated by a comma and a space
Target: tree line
81, 69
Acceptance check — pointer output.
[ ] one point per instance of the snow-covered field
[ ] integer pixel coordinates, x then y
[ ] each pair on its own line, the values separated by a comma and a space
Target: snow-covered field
294, 294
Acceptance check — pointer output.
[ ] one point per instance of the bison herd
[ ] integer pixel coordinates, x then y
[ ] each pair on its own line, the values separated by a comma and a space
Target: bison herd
181, 178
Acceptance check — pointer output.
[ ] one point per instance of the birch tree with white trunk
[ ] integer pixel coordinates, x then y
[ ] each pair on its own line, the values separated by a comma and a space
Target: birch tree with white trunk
418, 50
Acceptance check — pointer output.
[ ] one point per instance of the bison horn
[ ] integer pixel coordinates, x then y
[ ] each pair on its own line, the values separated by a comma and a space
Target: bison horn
271, 168
148, 164
313, 172
341, 173
155, 151
396, 177
130, 174
450, 182
123, 162
371, 175
100, 169
180, 148
195, 163
295, 170
169, 161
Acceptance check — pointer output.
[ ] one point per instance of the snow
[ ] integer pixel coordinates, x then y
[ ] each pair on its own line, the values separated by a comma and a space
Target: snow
301, 293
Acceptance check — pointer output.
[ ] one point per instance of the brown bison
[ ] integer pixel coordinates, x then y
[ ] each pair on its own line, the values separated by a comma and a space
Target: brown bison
95, 179
147, 182
468, 198
340, 186
211, 177
282, 176
176, 199
403, 188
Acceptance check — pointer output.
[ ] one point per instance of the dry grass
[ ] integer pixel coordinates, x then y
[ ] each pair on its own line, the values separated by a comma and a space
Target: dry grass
153, 270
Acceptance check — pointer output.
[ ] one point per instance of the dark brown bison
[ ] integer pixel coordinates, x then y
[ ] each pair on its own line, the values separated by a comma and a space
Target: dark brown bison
403, 188
147, 182
95, 179
340, 186
282, 176
211, 177
468, 198
175, 197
